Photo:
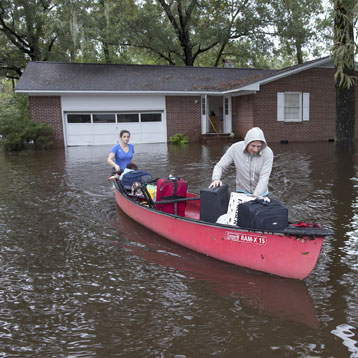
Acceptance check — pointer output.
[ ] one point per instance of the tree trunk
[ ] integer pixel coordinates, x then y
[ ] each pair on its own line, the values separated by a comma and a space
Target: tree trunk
181, 27
345, 109
105, 48
345, 92
188, 54
299, 54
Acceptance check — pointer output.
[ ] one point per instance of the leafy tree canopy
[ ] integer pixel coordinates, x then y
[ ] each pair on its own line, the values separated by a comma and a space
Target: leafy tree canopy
259, 33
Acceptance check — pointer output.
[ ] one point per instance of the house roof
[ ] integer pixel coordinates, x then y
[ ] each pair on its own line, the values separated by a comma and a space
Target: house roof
55, 77
287, 71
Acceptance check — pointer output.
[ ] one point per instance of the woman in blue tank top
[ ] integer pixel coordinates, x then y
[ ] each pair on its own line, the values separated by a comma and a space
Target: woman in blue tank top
121, 154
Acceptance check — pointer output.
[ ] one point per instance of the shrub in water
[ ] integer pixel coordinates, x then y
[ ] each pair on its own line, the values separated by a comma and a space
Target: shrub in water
178, 138
17, 131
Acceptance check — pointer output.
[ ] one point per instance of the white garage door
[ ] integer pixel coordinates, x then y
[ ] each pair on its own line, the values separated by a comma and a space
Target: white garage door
99, 128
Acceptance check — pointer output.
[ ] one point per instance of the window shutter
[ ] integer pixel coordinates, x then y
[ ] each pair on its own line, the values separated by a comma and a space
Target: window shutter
306, 107
280, 106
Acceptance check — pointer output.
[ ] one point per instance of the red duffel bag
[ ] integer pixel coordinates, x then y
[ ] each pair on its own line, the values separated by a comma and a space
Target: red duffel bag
171, 189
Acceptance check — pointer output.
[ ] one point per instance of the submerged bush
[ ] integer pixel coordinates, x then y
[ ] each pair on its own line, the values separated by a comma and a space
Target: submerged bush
17, 130
178, 138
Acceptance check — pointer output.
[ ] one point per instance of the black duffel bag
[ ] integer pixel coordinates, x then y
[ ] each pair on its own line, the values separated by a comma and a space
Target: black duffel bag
262, 215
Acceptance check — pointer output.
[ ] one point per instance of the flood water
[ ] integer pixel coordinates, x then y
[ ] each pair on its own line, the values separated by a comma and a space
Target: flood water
80, 279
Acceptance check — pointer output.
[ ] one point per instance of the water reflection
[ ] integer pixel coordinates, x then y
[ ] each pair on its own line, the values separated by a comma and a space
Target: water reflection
75, 283
347, 334
302, 179
285, 298
350, 228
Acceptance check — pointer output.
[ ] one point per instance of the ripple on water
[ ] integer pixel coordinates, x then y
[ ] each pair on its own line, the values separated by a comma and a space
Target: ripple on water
79, 279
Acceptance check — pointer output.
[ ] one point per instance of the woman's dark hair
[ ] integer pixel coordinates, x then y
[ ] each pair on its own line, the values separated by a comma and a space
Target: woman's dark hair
123, 131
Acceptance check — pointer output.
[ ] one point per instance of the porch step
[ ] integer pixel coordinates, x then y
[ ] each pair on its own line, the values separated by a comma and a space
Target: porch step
220, 137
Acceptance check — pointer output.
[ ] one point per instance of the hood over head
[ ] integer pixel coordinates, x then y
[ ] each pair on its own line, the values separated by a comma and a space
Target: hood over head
254, 134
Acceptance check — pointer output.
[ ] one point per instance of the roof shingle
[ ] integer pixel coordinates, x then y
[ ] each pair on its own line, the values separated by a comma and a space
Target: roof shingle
55, 76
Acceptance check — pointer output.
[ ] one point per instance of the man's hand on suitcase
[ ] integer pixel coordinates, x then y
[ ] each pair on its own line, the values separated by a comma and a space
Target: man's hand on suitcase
215, 183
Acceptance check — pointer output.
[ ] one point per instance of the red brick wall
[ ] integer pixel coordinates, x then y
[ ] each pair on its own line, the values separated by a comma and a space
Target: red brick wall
321, 126
47, 109
260, 109
242, 114
184, 116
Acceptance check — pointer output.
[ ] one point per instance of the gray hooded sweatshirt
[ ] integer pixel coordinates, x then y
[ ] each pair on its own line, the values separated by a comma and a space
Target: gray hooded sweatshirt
252, 171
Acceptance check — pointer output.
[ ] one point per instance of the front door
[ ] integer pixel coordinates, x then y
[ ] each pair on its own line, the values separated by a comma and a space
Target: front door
216, 114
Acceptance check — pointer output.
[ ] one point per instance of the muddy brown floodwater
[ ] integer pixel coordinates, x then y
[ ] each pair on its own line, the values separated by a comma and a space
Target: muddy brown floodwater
80, 279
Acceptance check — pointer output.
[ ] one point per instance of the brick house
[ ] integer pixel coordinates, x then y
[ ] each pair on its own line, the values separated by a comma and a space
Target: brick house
88, 104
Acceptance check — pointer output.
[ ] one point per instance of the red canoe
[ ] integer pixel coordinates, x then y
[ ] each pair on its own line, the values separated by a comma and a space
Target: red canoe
291, 253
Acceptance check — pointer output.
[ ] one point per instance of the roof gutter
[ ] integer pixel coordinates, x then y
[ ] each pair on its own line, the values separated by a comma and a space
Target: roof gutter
84, 92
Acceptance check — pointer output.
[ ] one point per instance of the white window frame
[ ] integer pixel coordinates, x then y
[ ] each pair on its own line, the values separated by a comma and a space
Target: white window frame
204, 111
304, 107
115, 113
203, 105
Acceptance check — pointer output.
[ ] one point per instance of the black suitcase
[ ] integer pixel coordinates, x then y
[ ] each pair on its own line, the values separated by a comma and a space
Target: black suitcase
260, 215
214, 202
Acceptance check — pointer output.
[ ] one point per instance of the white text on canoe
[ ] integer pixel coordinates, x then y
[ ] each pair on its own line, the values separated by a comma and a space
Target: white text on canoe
245, 238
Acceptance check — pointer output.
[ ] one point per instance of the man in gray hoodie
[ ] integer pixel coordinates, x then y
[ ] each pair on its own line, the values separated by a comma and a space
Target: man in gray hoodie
253, 161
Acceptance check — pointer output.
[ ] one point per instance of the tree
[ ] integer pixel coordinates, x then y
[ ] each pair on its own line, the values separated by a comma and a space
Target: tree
108, 29
188, 32
26, 25
62, 30
69, 24
240, 28
11, 59
344, 48
176, 32
299, 24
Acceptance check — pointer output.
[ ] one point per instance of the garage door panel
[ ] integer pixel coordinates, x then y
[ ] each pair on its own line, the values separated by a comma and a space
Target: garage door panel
152, 132
152, 127
155, 138
131, 127
80, 140
99, 129
102, 139
79, 129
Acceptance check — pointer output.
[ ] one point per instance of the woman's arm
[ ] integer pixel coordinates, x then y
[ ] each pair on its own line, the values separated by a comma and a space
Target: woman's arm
111, 162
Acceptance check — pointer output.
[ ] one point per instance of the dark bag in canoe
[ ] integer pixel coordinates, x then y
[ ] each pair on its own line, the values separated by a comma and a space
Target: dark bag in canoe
138, 176
214, 202
261, 215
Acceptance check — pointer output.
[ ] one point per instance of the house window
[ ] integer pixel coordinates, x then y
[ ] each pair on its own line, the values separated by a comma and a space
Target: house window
104, 118
78, 118
292, 106
150, 117
111, 117
127, 117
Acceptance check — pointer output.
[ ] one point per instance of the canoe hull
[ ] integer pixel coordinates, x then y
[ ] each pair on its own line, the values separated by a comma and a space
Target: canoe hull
280, 255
